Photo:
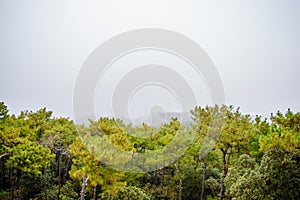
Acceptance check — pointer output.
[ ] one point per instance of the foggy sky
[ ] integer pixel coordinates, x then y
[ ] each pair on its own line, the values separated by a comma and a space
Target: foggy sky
254, 44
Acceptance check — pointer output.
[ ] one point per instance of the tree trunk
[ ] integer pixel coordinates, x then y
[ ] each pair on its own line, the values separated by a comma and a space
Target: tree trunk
59, 173
170, 174
203, 181
224, 173
230, 153
66, 170
95, 193
196, 165
45, 183
180, 182
19, 176
162, 176
2, 170
11, 180
84, 184
51, 172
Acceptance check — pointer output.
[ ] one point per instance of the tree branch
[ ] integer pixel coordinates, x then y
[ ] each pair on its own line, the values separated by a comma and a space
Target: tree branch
6, 154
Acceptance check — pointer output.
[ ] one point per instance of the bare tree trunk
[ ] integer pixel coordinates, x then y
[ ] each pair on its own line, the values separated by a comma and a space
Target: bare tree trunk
224, 173
2, 170
196, 165
66, 170
45, 183
95, 193
170, 172
84, 184
180, 182
11, 180
162, 176
52, 172
19, 176
203, 181
59, 173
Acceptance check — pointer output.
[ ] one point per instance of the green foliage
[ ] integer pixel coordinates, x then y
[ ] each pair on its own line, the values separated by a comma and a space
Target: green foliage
44, 157
243, 182
31, 186
277, 176
3, 194
283, 132
59, 135
97, 172
280, 169
67, 191
159, 193
126, 193
3, 111
30, 157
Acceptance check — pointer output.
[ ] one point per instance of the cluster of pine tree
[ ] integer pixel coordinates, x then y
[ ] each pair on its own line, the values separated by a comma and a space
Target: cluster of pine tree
231, 156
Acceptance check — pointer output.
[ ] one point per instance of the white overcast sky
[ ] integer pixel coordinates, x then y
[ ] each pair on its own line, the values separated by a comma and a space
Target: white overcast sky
255, 45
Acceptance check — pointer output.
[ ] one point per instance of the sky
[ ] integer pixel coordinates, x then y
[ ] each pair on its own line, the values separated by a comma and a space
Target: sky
254, 45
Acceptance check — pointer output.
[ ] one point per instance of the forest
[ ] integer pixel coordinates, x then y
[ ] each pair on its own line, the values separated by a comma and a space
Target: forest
232, 155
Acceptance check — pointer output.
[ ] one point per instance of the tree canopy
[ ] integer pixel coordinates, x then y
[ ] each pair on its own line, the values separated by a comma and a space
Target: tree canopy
222, 154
